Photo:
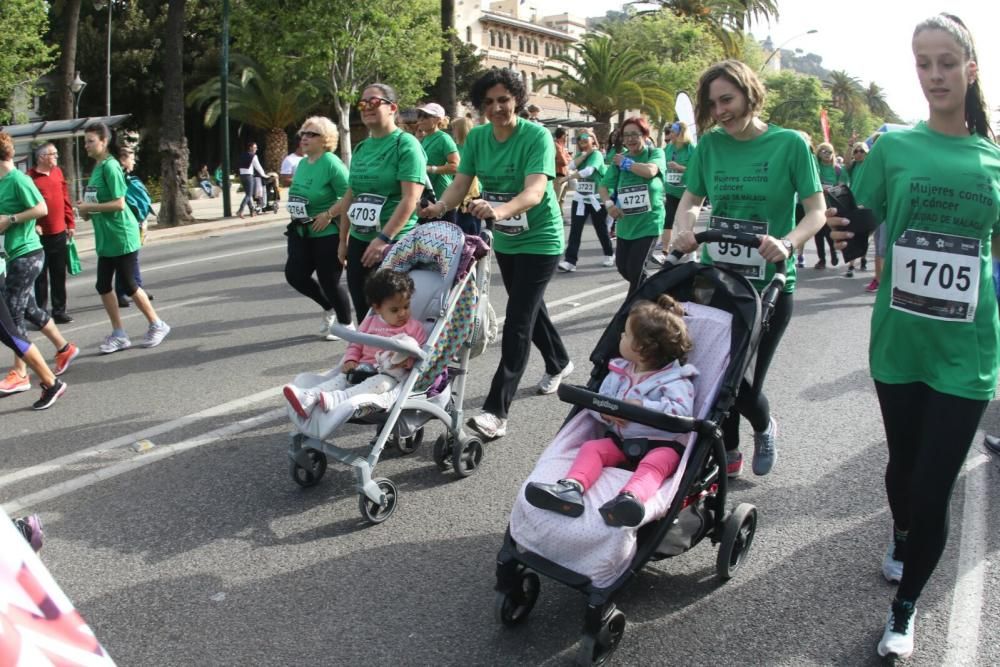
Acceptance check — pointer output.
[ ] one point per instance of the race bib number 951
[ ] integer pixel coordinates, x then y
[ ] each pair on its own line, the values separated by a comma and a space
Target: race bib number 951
90, 195
936, 275
741, 259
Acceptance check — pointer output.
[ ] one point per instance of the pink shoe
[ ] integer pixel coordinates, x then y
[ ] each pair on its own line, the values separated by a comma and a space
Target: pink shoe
872, 286
301, 400
328, 400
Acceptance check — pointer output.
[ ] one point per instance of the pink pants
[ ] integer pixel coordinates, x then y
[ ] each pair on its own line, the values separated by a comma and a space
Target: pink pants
595, 455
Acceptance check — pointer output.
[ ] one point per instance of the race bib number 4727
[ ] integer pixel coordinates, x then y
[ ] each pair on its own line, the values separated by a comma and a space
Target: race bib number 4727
936, 275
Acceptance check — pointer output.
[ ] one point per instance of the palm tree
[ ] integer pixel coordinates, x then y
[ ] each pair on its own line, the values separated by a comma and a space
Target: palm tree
261, 100
726, 19
603, 81
845, 91
874, 96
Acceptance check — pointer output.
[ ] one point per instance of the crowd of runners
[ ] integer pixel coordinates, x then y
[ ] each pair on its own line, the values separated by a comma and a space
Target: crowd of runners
935, 332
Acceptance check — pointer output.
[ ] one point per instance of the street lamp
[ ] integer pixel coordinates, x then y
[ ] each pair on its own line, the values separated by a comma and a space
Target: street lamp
99, 5
780, 46
76, 87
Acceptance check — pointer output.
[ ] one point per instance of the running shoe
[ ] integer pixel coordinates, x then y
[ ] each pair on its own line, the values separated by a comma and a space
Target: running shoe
734, 463
123, 302
833, 259
850, 272
31, 530
872, 286
897, 640
155, 334
328, 400
300, 400
329, 317
488, 425
14, 383
892, 563
330, 335
764, 452
64, 358
566, 267
549, 383
801, 263
115, 343
821, 264
50, 393
609, 261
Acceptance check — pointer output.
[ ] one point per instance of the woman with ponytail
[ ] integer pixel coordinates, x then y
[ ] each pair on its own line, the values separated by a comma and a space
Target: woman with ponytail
935, 339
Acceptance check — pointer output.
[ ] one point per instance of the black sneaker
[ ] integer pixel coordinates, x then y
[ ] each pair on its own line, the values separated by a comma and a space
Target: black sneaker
563, 497
123, 302
623, 510
50, 394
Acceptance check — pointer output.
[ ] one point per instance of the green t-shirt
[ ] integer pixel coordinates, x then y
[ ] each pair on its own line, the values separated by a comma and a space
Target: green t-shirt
757, 181
930, 324
115, 234
640, 199
828, 174
17, 194
377, 168
681, 156
586, 187
437, 147
316, 187
502, 168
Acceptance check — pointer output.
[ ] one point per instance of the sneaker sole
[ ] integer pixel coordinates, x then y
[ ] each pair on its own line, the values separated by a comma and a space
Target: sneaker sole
546, 501
627, 516
563, 374
65, 367
52, 399
18, 390
293, 401
148, 344
499, 433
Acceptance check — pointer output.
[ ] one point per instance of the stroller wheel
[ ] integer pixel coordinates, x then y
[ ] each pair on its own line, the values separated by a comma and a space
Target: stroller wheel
737, 538
442, 451
597, 650
467, 455
513, 607
373, 512
409, 444
311, 474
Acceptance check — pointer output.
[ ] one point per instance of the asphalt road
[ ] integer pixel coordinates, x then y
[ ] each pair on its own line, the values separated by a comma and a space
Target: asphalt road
202, 551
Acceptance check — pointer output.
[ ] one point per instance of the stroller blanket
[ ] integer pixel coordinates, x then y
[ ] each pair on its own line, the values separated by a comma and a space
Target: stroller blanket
586, 544
320, 424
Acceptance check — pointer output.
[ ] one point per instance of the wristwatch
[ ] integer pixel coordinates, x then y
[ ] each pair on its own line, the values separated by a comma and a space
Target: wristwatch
789, 246
12, 219
383, 238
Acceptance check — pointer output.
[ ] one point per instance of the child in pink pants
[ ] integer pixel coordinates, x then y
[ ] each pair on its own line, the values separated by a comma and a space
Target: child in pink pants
651, 373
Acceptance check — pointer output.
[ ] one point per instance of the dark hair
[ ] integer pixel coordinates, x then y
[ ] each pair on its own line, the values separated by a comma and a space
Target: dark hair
105, 134
560, 132
639, 122
976, 113
6, 146
659, 332
385, 284
388, 92
503, 77
735, 72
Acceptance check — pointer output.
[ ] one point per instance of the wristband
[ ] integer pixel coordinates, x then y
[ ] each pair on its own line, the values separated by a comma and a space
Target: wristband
609, 203
383, 238
627, 164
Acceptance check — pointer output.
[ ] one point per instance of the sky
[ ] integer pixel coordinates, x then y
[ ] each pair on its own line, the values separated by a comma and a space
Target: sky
869, 40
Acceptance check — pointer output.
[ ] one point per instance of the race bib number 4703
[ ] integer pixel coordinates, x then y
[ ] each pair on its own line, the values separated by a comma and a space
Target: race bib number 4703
741, 259
936, 275
365, 212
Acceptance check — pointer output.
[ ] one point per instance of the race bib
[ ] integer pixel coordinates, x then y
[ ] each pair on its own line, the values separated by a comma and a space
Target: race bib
297, 207
90, 195
365, 212
509, 226
634, 199
674, 177
745, 261
585, 188
936, 275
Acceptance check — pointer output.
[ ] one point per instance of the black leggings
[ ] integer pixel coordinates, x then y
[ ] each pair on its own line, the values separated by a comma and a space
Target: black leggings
599, 218
929, 434
318, 254
823, 237
751, 401
8, 331
357, 274
124, 266
671, 203
630, 257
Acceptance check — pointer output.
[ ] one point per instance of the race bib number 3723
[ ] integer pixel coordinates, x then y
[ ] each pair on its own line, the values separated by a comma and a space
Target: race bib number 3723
936, 275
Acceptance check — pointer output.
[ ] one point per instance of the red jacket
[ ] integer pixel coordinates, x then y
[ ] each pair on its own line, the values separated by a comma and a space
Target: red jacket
55, 192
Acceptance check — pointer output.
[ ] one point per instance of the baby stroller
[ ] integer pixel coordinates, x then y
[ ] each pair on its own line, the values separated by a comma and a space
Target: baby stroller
451, 273
725, 319
268, 195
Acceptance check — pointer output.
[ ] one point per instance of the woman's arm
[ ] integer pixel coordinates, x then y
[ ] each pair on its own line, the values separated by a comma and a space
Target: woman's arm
111, 206
645, 170
684, 222
408, 201
528, 198
450, 198
449, 167
39, 210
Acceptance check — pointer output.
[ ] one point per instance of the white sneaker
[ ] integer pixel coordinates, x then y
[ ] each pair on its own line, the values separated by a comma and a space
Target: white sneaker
489, 425
892, 568
329, 317
330, 335
328, 400
609, 261
114, 344
897, 640
155, 334
300, 400
566, 267
549, 383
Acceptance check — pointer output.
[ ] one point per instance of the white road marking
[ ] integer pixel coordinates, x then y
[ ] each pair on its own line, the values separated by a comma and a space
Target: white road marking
137, 313
967, 599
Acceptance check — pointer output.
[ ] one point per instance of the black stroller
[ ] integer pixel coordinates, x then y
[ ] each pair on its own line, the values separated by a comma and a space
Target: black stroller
726, 319
268, 195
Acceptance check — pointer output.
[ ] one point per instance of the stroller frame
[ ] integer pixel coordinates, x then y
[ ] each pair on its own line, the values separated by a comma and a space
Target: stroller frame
703, 488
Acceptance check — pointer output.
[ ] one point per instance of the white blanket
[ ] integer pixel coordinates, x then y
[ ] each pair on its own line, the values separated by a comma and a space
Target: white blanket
321, 424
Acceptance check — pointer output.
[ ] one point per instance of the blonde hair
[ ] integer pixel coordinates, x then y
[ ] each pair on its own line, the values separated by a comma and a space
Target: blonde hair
827, 145
327, 129
460, 129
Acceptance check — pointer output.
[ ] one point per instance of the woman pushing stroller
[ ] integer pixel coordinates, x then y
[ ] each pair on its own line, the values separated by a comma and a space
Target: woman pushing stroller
651, 373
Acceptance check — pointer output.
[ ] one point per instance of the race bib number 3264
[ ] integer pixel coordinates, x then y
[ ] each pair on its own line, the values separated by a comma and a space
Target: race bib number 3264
936, 275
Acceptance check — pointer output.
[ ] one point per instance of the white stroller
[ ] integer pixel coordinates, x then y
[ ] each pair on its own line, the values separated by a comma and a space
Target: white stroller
451, 274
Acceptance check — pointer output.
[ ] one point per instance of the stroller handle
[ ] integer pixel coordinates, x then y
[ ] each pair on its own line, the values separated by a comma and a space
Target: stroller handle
613, 407
739, 238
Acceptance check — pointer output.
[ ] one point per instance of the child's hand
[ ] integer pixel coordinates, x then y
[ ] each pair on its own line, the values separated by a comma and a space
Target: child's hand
348, 366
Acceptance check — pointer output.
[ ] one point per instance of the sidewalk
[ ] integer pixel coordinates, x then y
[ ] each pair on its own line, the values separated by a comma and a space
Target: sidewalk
208, 220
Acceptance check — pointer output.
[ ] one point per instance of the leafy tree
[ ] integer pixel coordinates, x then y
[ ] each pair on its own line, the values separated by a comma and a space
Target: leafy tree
845, 90
795, 101
603, 79
874, 97
468, 68
24, 56
726, 20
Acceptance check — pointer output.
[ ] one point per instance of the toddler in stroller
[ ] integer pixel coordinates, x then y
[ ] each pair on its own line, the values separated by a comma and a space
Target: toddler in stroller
267, 195
367, 369
651, 373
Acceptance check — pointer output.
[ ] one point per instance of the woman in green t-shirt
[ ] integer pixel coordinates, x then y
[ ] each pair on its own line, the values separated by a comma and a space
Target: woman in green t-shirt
830, 174
588, 169
388, 172
315, 203
116, 236
677, 153
935, 337
751, 172
440, 149
515, 162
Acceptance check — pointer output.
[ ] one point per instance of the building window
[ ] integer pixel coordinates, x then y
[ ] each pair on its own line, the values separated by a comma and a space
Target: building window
468, 34
547, 54
536, 46
520, 43
534, 80
524, 78
493, 38
507, 35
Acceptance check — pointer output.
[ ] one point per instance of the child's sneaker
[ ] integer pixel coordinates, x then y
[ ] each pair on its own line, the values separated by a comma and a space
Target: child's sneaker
31, 529
301, 400
328, 400
623, 510
897, 640
734, 463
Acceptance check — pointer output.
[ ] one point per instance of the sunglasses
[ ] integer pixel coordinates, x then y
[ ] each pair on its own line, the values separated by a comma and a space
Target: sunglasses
372, 103
310, 134
631, 135
859, 152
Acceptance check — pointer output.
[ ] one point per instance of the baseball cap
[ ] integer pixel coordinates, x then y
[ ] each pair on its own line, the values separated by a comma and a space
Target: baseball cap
432, 109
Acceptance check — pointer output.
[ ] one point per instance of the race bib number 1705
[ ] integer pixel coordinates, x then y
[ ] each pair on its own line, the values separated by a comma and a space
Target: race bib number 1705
936, 275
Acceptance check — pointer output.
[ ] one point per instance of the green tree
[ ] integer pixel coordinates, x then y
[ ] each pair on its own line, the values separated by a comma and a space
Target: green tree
24, 56
874, 97
845, 91
468, 68
726, 20
174, 206
604, 79
795, 101
262, 98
